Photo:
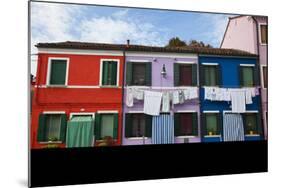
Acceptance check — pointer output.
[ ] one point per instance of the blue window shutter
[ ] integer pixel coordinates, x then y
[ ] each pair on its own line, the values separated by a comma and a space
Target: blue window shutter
202, 75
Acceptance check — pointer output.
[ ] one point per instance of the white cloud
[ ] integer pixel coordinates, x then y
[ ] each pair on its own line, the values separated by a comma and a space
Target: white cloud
59, 22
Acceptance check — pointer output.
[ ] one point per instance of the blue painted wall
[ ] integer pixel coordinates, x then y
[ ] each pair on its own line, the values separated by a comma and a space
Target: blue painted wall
230, 79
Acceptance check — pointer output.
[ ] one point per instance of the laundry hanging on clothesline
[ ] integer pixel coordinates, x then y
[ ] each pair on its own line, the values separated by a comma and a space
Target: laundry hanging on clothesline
170, 96
239, 97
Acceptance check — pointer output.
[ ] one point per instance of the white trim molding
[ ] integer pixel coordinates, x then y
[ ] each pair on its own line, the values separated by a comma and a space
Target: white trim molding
247, 65
107, 112
211, 111
186, 62
54, 112
82, 114
117, 75
186, 111
246, 112
134, 112
259, 33
209, 64
262, 74
139, 61
49, 71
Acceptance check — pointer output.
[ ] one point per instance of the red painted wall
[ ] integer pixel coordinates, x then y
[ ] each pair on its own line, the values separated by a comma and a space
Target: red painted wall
83, 71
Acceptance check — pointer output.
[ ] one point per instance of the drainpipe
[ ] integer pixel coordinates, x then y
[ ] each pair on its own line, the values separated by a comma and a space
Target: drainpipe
258, 63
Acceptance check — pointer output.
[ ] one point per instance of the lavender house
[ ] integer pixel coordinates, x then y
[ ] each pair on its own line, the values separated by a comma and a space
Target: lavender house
249, 33
162, 71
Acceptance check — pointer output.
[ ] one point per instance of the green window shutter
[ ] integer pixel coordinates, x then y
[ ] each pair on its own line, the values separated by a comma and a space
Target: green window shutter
240, 74
148, 125
148, 74
176, 74
115, 126
244, 122
259, 124
113, 73
129, 73
194, 124
41, 128
256, 75
219, 123
128, 125
194, 74
58, 72
105, 74
177, 124
203, 124
218, 75
97, 126
202, 75
63, 127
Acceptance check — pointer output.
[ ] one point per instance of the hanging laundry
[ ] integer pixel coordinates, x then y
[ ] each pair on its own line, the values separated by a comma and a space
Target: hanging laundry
193, 93
210, 93
186, 94
166, 102
130, 97
152, 102
226, 95
138, 94
181, 97
218, 94
238, 102
233, 129
253, 91
257, 92
248, 95
176, 99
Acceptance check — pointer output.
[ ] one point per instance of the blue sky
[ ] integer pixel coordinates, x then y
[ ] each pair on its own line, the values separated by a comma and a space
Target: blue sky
51, 22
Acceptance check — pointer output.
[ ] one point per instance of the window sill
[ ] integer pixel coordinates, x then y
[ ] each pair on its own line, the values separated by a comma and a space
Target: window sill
252, 135
51, 142
211, 136
56, 86
263, 44
109, 86
137, 138
186, 136
138, 86
211, 86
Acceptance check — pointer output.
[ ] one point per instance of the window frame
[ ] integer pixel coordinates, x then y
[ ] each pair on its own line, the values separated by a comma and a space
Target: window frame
49, 67
117, 73
144, 62
253, 77
52, 113
211, 112
189, 63
217, 76
262, 76
104, 112
140, 137
189, 112
259, 33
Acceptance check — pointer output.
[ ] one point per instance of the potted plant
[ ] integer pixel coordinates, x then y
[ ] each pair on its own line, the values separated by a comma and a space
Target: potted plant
106, 141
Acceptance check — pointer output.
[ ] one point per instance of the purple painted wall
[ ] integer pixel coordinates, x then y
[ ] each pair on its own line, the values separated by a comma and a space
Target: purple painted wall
243, 33
161, 84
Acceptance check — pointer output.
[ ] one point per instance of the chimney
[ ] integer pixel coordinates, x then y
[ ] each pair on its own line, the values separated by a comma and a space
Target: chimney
128, 43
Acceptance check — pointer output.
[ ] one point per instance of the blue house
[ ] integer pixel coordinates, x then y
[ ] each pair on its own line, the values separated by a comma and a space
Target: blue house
217, 118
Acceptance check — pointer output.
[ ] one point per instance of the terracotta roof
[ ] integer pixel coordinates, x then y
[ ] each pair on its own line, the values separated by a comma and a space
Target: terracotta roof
141, 48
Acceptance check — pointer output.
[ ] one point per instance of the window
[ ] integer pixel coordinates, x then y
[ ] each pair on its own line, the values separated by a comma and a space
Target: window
58, 72
106, 125
263, 34
138, 73
138, 125
265, 76
109, 73
185, 74
210, 75
252, 123
52, 127
247, 76
186, 124
212, 123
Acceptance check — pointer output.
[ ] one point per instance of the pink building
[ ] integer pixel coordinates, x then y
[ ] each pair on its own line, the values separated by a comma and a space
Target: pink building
249, 33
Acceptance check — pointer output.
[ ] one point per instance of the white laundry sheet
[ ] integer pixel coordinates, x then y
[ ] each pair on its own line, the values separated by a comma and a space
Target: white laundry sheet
152, 102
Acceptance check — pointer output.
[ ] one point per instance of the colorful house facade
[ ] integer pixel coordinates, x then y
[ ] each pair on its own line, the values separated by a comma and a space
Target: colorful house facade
222, 75
77, 84
91, 94
249, 33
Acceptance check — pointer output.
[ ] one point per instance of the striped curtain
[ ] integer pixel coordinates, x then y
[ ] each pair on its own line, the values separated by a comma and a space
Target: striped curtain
163, 129
233, 127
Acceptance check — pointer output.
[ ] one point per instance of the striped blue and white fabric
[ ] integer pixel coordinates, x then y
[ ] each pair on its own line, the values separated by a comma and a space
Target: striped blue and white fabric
233, 129
163, 129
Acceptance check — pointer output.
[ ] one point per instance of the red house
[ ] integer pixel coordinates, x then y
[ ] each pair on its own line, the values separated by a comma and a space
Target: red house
78, 95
